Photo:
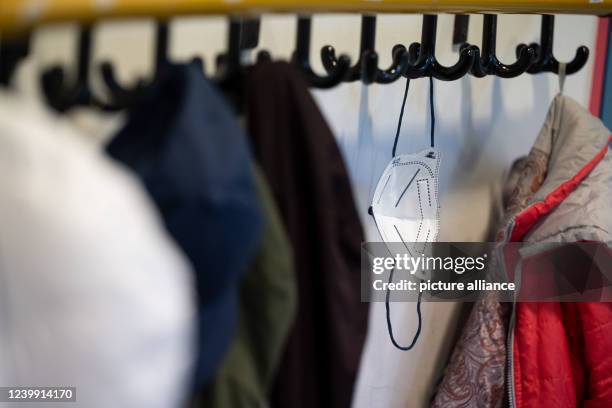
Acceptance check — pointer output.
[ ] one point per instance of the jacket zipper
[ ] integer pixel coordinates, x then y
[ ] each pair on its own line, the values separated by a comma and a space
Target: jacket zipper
510, 337
510, 361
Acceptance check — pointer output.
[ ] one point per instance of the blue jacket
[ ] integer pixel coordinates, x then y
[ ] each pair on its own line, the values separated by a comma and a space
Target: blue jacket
191, 154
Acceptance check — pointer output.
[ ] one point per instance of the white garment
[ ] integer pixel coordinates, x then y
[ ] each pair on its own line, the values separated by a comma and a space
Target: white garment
93, 293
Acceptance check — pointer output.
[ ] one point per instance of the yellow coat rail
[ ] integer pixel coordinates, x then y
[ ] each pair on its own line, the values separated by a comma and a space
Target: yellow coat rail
18, 15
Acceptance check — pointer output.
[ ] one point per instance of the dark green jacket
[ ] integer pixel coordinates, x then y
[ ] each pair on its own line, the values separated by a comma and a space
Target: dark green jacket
268, 301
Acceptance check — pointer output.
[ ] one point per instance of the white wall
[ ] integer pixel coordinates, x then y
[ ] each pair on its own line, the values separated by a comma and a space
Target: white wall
482, 125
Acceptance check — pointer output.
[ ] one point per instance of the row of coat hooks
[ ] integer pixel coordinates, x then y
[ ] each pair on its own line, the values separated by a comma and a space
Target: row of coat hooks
416, 61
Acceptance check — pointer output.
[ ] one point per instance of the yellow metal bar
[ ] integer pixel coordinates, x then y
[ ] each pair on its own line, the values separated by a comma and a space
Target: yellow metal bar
16, 15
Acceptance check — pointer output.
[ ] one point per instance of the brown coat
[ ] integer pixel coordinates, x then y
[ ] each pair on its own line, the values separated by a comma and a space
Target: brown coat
300, 158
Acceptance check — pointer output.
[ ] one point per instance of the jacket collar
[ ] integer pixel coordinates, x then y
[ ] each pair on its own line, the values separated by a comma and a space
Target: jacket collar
570, 144
571, 138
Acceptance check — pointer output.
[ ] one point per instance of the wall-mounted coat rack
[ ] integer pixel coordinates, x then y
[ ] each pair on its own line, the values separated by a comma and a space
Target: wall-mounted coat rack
415, 61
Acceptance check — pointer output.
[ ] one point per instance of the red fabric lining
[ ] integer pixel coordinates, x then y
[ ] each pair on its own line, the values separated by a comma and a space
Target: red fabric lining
530, 215
561, 353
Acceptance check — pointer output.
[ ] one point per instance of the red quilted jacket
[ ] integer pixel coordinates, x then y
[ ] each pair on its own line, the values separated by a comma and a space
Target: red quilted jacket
545, 354
562, 352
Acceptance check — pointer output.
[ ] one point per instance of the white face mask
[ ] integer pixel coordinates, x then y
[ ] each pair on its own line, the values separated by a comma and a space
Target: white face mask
405, 202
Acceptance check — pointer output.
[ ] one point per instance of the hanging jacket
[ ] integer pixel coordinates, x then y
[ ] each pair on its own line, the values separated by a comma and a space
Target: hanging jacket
192, 156
267, 310
553, 354
94, 294
307, 176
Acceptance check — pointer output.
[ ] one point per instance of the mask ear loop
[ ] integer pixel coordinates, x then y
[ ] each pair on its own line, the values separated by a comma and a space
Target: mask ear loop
401, 116
432, 112
388, 292
389, 324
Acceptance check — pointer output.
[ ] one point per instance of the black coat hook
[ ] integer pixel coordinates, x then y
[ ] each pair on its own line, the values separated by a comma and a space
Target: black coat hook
122, 97
366, 59
544, 59
487, 63
62, 97
366, 67
228, 64
229, 69
264, 56
301, 59
400, 58
243, 35
12, 51
423, 59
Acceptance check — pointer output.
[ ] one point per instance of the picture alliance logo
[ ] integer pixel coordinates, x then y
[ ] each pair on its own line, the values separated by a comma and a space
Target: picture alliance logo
411, 264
